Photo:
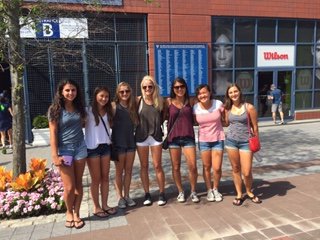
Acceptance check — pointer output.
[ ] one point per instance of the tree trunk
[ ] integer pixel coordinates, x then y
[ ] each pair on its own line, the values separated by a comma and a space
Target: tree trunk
16, 70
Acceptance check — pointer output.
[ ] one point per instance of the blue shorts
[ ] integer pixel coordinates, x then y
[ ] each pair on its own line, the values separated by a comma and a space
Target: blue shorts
100, 151
178, 142
77, 151
240, 145
217, 145
121, 150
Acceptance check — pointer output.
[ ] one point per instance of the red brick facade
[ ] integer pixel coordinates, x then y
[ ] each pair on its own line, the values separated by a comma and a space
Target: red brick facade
189, 20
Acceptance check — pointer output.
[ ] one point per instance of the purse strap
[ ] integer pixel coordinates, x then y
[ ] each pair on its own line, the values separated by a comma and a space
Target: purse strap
248, 121
175, 121
105, 127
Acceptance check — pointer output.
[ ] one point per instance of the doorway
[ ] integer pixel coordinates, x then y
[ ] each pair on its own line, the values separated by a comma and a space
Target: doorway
283, 81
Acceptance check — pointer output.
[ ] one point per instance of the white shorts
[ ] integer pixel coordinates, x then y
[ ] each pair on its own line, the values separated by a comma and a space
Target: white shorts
150, 141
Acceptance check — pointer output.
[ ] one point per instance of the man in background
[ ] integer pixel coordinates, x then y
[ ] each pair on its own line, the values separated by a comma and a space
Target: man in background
276, 96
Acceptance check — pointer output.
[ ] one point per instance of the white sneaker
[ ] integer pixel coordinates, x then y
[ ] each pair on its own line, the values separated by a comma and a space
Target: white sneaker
180, 197
130, 202
147, 199
210, 196
194, 197
282, 122
217, 195
122, 203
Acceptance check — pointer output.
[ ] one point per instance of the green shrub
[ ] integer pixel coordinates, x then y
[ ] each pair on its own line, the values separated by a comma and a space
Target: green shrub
40, 121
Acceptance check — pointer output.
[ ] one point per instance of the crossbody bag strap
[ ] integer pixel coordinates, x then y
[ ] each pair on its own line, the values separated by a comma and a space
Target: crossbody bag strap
105, 127
248, 120
175, 121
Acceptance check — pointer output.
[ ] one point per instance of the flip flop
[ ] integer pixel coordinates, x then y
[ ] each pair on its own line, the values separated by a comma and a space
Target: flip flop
71, 224
79, 226
110, 211
101, 214
254, 197
239, 203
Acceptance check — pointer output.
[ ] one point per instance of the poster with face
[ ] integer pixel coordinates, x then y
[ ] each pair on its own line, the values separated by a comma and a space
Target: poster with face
222, 55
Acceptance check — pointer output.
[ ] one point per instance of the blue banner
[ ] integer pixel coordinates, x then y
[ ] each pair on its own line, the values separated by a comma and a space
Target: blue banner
188, 61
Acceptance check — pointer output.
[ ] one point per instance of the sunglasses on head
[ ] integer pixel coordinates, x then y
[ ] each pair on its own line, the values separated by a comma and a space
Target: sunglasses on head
180, 86
124, 91
149, 87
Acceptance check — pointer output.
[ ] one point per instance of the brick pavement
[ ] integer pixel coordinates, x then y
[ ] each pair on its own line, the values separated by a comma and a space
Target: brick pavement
285, 181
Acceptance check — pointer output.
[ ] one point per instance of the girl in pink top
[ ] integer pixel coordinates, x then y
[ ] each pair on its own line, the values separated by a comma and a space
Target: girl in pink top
208, 113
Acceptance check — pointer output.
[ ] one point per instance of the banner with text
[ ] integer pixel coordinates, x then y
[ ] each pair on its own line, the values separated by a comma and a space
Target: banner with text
186, 60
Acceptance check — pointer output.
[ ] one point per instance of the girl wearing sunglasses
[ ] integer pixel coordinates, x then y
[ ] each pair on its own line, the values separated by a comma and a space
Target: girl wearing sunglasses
178, 112
125, 120
149, 135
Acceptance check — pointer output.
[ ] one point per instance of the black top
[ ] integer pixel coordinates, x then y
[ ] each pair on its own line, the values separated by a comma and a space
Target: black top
123, 128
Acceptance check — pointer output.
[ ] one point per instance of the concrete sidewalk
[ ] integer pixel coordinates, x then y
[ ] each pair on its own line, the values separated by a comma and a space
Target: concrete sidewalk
286, 181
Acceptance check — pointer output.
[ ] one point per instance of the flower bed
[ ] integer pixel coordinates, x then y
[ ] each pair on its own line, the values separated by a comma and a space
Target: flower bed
37, 192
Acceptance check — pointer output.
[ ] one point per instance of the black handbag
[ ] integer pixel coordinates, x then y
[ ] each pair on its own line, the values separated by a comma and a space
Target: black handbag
113, 148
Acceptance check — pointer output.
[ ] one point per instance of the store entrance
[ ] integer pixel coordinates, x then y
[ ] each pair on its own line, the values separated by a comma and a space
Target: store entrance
282, 80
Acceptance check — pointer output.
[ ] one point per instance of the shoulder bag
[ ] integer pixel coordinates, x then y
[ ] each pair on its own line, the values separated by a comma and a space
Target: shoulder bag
113, 148
254, 143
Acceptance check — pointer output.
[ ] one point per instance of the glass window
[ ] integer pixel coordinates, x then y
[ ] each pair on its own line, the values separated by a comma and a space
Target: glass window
220, 81
245, 80
244, 56
222, 26
249, 98
316, 99
286, 31
305, 31
304, 55
266, 30
303, 100
304, 79
317, 79
245, 30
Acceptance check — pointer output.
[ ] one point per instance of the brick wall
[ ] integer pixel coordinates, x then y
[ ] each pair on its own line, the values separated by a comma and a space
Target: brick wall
306, 114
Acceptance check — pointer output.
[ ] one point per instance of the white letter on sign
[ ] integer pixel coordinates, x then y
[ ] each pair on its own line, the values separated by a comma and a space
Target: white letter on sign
47, 30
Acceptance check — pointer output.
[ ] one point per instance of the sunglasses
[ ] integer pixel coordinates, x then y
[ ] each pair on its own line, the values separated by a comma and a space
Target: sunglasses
149, 87
124, 91
180, 86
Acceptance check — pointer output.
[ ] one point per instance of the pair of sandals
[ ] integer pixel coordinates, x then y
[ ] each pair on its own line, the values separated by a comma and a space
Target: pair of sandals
239, 201
72, 224
105, 213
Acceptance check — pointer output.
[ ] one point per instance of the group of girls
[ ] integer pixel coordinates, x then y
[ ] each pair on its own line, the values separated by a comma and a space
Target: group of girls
136, 124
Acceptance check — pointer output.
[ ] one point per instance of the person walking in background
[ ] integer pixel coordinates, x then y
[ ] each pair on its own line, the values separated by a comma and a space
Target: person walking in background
66, 117
149, 134
5, 123
208, 113
276, 96
125, 121
237, 146
178, 111
98, 140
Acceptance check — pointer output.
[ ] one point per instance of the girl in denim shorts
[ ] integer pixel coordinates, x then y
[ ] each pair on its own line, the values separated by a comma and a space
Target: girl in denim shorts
97, 136
125, 120
239, 153
66, 116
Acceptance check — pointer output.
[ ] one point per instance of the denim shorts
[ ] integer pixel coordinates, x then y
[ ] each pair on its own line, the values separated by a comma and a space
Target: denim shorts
178, 142
217, 145
234, 144
121, 150
100, 151
77, 151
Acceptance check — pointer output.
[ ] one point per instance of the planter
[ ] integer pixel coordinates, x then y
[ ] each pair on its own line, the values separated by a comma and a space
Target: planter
41, 137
